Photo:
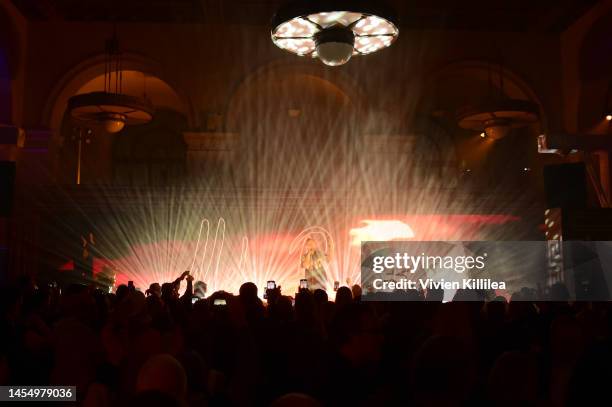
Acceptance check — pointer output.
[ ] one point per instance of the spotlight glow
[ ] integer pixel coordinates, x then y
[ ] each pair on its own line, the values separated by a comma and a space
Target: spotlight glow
381, 230
283, 178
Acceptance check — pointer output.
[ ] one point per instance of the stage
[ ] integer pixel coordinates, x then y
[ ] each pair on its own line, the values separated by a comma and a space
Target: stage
227, 237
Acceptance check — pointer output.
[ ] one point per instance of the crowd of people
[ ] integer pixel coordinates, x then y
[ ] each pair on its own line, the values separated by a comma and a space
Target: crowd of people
160, 348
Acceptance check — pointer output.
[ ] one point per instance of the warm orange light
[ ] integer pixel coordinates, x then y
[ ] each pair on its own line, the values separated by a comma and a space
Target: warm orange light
609, 117
380, 230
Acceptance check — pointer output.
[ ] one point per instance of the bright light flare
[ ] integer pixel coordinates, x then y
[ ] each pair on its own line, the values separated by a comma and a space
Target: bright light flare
381, 230
373, 25
297, 27
369, 44
335, 17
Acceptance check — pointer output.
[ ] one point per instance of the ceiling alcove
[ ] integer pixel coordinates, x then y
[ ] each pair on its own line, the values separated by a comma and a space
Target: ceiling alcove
103, 151
484, 163
293, 119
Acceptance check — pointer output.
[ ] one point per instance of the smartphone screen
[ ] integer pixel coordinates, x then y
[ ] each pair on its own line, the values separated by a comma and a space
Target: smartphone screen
194, 300
303, 283
271, 285
220, 301
336, 285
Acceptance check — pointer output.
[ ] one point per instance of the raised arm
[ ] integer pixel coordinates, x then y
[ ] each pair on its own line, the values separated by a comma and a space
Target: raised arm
177, 282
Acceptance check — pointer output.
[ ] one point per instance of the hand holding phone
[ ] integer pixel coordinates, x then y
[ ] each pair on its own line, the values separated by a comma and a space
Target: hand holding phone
270, 289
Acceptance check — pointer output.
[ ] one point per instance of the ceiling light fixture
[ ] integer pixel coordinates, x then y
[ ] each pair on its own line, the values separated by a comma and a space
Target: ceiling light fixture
109, 108
333, 31
497, 115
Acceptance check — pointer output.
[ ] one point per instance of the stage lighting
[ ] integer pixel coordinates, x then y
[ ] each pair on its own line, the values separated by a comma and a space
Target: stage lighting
333, 31
609, 117
381, 230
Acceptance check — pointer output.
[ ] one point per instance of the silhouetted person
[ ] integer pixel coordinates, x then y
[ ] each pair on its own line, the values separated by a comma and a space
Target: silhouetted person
344, 297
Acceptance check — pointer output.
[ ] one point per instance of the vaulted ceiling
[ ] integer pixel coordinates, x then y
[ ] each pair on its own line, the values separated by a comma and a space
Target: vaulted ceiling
474, 15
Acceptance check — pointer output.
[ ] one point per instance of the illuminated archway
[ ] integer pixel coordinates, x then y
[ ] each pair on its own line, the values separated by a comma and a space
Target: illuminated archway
289, 115
444, 89
481, 160
140, 78
145, 77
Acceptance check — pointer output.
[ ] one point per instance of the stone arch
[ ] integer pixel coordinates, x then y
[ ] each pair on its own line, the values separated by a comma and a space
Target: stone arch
335, 80
463, 83
141, 77
293, 113
87, 73
476, 73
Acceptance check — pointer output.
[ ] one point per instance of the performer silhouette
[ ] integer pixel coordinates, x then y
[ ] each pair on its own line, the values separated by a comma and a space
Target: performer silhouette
313, 262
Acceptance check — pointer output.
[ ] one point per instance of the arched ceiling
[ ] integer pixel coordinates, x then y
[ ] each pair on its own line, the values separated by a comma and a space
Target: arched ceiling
445, 91
279, 94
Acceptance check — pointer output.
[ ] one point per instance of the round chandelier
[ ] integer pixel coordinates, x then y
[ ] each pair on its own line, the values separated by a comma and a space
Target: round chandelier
333, 31
109, 108
495, 119
497, 115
